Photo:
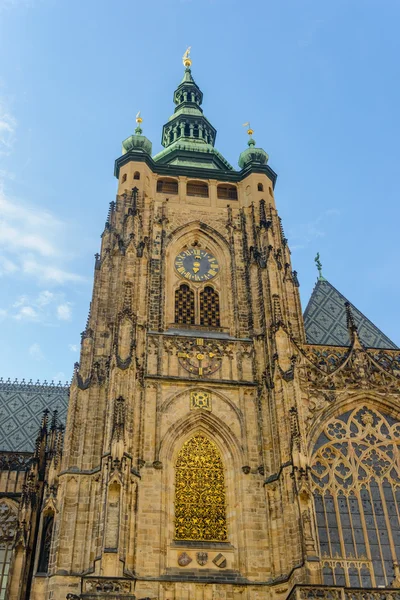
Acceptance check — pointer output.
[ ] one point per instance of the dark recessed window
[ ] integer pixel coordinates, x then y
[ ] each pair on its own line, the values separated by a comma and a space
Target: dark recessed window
197, 188
167, 186
227, 192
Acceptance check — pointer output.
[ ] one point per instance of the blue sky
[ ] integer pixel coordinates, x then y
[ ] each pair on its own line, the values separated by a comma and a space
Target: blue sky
319, 82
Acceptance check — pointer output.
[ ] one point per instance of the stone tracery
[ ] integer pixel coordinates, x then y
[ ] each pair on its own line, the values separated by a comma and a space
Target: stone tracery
355, 470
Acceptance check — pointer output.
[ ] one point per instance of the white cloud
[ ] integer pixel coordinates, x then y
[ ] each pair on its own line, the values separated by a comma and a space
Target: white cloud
73, 347
35, 352
27, 313
33, 242
64, 312
7, 266
49, 273
27, 229
44, 298
3, 314
7, 130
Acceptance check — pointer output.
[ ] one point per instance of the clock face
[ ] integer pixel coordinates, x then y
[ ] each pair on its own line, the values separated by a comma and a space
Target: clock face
196, 265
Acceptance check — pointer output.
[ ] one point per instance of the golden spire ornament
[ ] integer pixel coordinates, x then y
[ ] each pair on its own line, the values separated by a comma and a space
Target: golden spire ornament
250, 131
187, 61
139, 121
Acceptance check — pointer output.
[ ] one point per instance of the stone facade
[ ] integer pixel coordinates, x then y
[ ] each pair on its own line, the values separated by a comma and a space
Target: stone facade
190, 459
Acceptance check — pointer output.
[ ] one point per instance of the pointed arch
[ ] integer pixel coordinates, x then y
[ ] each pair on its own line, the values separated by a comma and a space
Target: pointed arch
199, 235
228, 444
45, 542
209, 307
184, 305
200, 504
355, 473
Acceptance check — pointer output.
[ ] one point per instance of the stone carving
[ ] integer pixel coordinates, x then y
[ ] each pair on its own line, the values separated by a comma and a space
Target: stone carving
200, 399
220, 561
107, 585
202, 558
184, 559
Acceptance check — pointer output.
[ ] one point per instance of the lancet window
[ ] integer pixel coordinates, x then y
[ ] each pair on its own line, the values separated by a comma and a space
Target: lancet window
200, 307
184, 305
8, 526
200, 505
356, 476
45, 545
209, 307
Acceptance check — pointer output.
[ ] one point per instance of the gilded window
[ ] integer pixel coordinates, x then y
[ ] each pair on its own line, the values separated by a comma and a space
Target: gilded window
209, 307
8, 525
356, 474
200, 508
184, 305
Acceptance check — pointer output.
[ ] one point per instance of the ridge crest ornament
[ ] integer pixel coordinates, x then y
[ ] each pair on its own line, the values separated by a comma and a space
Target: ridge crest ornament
195, 264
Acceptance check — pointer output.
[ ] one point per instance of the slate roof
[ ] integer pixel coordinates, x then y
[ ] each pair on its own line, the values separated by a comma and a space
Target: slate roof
325, 320
21, 410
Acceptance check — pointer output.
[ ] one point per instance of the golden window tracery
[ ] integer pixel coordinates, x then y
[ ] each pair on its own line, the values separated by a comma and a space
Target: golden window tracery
209, 307
200, 507
356, 475
184, 305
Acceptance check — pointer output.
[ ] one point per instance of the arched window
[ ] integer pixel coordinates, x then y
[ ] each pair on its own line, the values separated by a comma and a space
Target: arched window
184, 305
167, 186
200, 506
45, 544
123, 178
260, 187
197, 188
356, 475
209, 307
136, 175
8, 526
227, 192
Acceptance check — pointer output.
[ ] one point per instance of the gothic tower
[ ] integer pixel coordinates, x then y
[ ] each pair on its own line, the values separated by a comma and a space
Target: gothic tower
192, 424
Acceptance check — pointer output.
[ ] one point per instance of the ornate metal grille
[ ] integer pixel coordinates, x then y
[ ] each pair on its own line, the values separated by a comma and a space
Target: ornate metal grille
209, 307
356, 473
184, 305
8, 526
200, 508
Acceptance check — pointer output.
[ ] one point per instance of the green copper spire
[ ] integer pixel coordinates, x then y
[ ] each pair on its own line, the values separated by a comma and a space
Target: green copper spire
253, 155
137, 141
188, 137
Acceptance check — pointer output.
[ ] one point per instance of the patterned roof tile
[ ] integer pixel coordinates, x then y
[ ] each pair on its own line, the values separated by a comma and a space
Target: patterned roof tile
325, 320
21, 410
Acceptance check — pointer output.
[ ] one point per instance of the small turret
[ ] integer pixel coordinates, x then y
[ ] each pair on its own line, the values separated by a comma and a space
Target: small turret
252, 156
137, 141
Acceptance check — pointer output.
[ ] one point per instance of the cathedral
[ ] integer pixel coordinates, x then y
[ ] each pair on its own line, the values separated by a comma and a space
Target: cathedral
214, 443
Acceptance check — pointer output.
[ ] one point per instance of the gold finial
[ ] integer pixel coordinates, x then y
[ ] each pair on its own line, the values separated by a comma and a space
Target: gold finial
139, 118
187, 61
250, 131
